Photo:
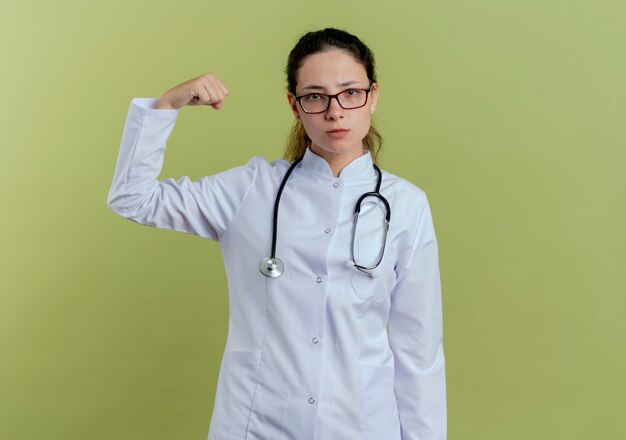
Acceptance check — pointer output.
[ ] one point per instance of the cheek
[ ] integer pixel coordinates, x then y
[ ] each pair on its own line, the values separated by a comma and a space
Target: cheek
310, 127
364, 124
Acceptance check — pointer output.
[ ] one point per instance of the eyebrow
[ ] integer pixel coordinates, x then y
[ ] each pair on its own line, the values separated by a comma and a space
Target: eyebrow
316, 87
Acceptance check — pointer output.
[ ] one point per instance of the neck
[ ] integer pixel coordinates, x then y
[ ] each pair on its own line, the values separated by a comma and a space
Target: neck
337, 161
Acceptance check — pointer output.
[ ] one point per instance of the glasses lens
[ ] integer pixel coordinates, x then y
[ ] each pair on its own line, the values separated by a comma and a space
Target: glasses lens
353, 98
314, 103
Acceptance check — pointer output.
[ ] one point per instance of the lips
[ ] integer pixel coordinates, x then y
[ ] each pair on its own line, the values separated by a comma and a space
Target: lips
338, 133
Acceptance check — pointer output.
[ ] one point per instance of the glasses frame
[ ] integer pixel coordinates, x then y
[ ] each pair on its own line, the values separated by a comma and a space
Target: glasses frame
336, 96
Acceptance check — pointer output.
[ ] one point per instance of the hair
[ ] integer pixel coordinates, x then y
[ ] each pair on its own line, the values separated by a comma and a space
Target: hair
322, 41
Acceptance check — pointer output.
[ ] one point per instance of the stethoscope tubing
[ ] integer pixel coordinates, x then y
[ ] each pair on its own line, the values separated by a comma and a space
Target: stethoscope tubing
277, 201
273, 267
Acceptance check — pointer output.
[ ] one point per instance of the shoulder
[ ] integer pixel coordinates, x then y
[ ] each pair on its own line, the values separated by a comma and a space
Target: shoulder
259, 169
410, 209
269, 167
405, 193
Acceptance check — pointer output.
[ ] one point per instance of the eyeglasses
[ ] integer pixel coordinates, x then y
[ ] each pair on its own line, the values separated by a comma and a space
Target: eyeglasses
320, 102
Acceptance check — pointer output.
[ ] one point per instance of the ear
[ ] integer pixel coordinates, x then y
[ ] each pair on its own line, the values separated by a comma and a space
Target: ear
373, 97
294, 106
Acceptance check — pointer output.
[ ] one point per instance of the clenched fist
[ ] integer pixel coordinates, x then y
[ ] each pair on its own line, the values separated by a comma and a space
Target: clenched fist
205, 89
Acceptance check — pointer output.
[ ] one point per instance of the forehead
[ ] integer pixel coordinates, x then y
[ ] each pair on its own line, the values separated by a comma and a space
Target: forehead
330, 69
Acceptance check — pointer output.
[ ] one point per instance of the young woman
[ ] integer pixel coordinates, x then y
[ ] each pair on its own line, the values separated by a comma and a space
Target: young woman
322, 250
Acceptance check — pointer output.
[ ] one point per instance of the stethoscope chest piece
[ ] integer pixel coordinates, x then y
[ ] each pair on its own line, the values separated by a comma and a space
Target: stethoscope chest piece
271, 267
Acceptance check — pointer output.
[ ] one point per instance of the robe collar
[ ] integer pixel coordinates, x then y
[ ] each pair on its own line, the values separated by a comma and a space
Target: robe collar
360, 168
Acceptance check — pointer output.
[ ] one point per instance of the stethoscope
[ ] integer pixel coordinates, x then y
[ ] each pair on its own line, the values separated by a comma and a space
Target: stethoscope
273, 267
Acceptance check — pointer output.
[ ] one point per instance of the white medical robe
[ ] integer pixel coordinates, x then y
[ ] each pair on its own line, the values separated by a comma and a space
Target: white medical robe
308, 355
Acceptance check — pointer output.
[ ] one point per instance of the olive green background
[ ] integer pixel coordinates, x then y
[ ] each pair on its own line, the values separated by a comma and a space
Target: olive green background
509, 114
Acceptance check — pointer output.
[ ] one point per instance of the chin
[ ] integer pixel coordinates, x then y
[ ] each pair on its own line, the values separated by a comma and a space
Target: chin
338, 147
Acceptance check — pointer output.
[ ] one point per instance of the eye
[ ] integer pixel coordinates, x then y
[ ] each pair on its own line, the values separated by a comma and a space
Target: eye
353, 93
312, 97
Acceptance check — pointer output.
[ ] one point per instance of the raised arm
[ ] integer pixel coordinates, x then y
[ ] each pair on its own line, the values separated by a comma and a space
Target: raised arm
203, 207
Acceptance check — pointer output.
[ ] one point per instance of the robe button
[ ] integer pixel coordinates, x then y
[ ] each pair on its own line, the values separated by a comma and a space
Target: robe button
335, 185
311, 400
327, 231
319, 279
315, 340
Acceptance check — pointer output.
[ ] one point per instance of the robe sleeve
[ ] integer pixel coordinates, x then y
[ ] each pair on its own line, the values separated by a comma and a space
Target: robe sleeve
416, 332
203, 207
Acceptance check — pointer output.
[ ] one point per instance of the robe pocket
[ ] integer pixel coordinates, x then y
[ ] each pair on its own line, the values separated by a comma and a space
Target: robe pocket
235, 391
374, 289
380, 412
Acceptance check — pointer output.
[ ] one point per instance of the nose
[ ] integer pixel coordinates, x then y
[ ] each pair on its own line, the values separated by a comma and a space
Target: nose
334, 111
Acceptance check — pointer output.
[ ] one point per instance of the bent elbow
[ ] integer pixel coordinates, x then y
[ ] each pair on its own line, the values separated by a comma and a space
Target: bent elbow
118, 201
114, 203
139, 207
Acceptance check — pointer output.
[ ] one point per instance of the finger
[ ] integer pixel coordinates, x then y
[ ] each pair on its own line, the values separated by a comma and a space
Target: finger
210, 96
221, 86
217, 85
203, 96
216, 95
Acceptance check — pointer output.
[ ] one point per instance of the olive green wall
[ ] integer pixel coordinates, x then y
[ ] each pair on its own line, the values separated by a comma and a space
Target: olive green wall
510, 115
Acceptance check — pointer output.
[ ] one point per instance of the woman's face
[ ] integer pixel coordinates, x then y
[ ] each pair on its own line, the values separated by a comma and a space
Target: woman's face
332, 72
